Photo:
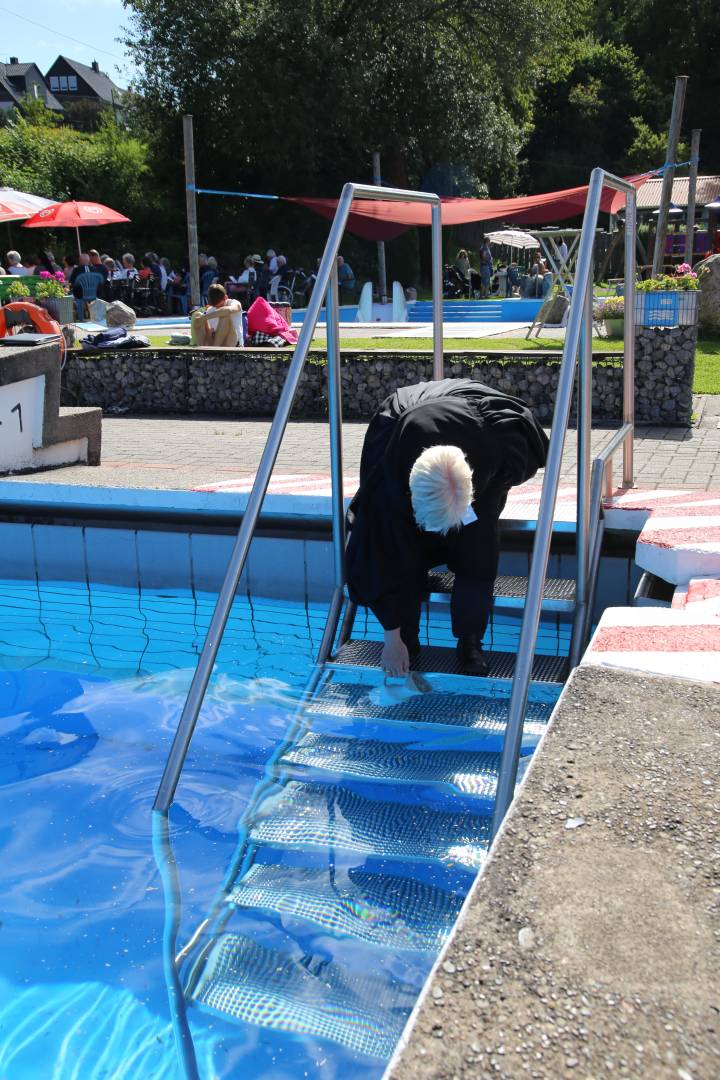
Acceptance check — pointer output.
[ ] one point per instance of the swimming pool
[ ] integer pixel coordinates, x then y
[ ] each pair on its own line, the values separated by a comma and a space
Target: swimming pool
92, 682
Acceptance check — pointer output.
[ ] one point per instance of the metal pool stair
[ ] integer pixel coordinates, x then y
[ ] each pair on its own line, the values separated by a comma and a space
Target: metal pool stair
357, 851
376, 812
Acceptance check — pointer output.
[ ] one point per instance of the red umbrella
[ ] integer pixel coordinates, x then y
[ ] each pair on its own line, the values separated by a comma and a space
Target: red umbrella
73, 215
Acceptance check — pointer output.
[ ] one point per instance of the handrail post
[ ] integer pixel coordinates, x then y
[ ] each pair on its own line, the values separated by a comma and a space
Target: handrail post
437, 303
334, 377
543, 532
629, 342
584, 434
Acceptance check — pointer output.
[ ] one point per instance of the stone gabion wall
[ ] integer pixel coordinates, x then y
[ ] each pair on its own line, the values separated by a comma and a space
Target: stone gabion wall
664, 372
249, 382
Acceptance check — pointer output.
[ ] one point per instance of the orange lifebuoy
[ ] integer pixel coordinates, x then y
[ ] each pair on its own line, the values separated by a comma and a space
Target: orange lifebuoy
38, 316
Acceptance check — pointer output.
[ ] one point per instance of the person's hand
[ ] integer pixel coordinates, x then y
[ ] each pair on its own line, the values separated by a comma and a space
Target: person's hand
395, 659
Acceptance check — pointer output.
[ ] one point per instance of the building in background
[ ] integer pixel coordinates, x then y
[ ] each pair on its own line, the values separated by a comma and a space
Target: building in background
18, 81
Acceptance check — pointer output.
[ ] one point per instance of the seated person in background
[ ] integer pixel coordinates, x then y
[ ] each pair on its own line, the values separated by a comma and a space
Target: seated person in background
68, 265
221, 324
30, 263
83, 267
244, 285
96, 263
512, 280
15, 264
179, 285
145, 272
346, 277
127, 271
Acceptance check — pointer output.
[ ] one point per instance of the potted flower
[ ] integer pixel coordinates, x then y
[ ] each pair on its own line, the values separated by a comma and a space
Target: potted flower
51, 293
17, 290
611, 313
669, 299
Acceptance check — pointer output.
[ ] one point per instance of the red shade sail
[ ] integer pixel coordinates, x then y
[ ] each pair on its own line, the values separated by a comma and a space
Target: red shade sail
73, 215
386, 220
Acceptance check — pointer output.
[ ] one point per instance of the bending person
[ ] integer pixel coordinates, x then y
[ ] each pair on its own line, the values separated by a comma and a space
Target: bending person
221, 323
437, 463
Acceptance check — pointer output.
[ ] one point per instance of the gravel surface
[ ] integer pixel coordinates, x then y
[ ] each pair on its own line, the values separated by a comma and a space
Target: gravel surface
589, 947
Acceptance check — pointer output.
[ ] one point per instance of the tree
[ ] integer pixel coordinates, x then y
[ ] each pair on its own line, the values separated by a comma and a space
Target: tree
592, 116
293, 97
674, 39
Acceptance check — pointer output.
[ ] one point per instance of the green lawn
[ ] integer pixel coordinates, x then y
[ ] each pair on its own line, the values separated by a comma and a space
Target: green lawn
707, 365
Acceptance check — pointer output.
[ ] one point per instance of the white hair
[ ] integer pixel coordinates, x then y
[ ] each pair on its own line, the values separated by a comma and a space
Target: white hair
440, 488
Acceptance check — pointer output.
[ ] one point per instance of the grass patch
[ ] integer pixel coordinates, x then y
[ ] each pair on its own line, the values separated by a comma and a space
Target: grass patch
707, 365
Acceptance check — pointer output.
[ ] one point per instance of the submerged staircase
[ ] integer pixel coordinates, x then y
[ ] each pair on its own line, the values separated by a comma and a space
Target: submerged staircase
364, 837
356, 855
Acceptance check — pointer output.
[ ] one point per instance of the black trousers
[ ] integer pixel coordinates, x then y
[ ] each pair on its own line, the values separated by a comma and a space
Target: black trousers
472, 554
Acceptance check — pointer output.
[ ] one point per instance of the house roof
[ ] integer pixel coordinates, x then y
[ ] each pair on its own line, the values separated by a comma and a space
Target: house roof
20, 71
9, 88
98, 81
707, 190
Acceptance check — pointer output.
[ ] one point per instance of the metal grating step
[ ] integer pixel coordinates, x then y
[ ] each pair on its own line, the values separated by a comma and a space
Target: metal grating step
381, 909
510, 590
327, 815
301, 993
462, 770
434, 658
353, 701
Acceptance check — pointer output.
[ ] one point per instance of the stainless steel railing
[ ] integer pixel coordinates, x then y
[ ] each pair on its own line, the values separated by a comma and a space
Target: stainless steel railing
326, 283
578, 339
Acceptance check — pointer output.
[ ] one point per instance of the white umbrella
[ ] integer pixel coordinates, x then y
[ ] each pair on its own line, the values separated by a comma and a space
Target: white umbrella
714, 205
513, 238
19, 205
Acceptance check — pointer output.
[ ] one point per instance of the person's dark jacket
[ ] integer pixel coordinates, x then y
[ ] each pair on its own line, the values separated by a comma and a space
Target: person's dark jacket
503, 444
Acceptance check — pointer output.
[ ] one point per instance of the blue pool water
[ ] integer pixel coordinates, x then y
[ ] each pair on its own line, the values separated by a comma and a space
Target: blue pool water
92, 681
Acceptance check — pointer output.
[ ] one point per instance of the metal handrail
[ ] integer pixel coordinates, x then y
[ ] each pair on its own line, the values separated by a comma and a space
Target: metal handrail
326, 282
578, 334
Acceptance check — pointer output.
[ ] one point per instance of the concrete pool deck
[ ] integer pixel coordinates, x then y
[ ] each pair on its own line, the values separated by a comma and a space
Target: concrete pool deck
589, 947
185, 453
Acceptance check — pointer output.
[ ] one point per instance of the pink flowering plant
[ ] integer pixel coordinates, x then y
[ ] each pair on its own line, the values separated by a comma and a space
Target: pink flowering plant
684, 279
51, 284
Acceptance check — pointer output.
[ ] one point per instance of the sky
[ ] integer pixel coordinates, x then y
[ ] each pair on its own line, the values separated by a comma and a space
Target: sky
83, 30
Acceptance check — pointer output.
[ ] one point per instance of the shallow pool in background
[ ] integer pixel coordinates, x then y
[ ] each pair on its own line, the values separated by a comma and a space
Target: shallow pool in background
92, 683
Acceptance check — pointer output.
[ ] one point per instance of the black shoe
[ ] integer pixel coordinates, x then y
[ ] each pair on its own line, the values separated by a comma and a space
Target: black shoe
472, 659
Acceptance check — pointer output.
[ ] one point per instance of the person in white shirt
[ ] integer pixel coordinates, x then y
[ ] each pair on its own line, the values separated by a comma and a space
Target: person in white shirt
221, 323
15, 266
563, 249
128, 271
272, 262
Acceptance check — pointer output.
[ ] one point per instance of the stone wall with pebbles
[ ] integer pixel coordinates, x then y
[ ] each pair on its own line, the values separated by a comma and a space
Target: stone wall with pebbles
248, 382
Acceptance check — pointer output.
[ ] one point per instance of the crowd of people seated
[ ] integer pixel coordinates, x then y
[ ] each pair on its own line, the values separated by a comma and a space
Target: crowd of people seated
502, 279
152, 286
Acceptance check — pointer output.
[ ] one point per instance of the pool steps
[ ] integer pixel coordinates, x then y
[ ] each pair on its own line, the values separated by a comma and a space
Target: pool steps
358, 852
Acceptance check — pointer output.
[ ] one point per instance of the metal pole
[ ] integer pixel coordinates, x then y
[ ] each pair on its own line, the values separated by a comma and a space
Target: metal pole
77, 236
170, 880
543, 531
203, 671
584, 428
382, 269
692, 188
669, 173
437, 309
191, 204
334, 377
629, 343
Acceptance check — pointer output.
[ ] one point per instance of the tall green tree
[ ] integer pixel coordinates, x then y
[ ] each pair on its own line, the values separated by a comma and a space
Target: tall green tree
295, 96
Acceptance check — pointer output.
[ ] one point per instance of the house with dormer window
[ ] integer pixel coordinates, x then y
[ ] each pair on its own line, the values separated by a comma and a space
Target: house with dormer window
18, 81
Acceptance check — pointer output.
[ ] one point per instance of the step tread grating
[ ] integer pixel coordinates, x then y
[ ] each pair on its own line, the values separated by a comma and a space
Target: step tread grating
512, 586
305, 994
435, 658
329, 815
381, 909
354, 701
472, 772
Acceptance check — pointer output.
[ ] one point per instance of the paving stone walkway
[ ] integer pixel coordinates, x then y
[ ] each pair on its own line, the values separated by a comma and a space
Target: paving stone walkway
183, 452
